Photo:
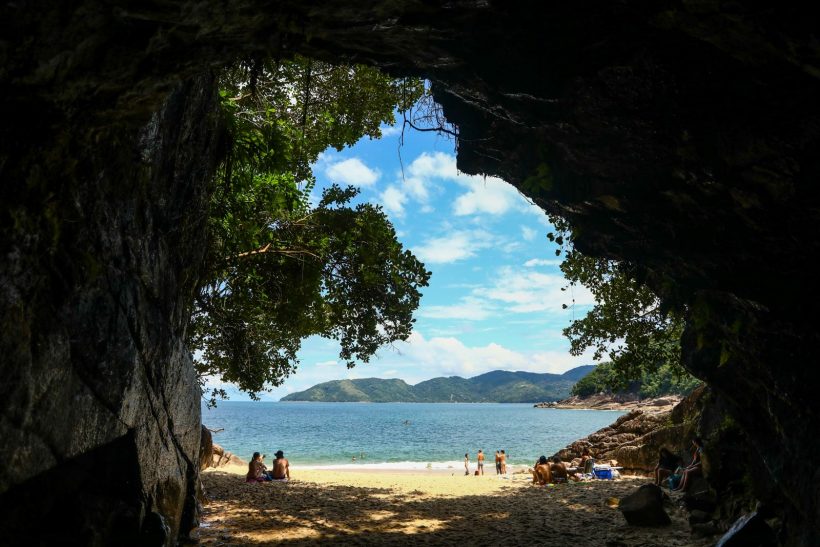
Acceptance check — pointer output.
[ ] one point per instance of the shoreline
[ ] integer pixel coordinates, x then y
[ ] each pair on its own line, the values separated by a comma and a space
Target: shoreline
613, 403
377, 469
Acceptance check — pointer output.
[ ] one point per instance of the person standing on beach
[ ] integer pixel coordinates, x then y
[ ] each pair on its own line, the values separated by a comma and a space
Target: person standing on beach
503, 463
480, 459
467, 464
497, 463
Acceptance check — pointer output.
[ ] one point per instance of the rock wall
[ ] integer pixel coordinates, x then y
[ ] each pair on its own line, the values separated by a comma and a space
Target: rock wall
101, 246
679, 136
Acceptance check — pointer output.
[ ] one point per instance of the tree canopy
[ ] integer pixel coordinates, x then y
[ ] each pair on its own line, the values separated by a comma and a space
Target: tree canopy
656, 383
280, 268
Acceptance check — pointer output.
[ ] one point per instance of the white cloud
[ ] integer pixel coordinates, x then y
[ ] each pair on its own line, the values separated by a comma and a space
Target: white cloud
331, 363
391, 130
485, 195
352, 171
454, 246
469, 308
533, 262
443, 356
393, 201
434, 165
528, 233
491, 195
529, 291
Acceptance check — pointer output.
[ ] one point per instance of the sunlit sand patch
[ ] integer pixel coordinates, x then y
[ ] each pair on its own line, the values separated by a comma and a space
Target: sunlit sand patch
421, 525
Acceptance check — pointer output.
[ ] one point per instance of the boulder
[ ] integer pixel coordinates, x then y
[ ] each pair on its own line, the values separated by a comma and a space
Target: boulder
644, 507
748, 531
699, 497
635, 438
222, 457
206, 449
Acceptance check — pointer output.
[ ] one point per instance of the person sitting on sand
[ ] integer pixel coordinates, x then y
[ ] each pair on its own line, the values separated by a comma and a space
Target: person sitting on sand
587, 461
257, 472
480, 459
694, 468
467, 464
559, 470
541, 473
667, 463
497, 463
281, 467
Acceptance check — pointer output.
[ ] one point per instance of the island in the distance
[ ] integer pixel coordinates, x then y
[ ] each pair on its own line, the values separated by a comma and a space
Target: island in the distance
498, 386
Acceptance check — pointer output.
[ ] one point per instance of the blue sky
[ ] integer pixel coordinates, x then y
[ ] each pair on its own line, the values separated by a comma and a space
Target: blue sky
494, 300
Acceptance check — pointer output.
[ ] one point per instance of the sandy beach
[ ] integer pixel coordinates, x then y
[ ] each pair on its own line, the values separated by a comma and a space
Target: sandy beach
423, 508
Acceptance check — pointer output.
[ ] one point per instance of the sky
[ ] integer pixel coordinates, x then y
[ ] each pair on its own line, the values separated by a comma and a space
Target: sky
494, 300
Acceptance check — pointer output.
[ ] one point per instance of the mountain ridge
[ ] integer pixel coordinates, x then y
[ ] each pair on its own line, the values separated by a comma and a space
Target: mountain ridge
497, 386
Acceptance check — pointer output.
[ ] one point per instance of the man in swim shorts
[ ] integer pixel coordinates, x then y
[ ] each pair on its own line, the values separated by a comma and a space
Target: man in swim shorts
480, 462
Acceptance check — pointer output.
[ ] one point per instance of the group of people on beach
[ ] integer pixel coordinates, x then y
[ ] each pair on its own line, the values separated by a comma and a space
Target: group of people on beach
549, 472
258, 471
670, 471
500, 463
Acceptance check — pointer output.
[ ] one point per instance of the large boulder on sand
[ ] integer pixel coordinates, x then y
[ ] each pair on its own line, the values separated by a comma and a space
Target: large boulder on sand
748, 531
206, 449
644, 507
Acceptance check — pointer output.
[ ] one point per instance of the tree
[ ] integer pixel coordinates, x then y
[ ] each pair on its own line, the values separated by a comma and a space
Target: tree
627, 322
280, 268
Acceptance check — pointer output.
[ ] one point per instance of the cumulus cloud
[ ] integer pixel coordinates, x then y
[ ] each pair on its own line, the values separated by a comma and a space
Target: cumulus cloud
443, 356
455, 246
391, 130
512, 291
393, 200
469, 308
352, 171
530, 291
533, 262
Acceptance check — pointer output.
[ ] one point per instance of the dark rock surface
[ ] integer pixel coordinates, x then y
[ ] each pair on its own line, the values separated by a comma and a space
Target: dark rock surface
679, 136
644, 507
100, 414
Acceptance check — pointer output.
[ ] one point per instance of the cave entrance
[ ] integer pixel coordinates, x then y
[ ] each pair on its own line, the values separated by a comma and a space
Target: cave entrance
497, 300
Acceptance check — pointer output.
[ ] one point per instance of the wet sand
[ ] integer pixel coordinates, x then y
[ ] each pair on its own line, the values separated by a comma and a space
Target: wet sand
423, 508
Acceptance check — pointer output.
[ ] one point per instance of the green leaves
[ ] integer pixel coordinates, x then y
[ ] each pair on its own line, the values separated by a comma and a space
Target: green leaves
281, 270
627, 323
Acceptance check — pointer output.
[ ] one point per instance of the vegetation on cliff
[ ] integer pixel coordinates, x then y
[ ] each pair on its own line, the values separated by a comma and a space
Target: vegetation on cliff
283, 268
665, 380
497, 386
628, 324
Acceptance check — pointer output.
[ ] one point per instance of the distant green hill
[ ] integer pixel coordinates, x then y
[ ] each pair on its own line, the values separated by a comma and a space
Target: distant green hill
497, 386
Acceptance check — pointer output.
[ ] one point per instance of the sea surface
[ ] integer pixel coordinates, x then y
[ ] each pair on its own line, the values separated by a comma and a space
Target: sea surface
397, 435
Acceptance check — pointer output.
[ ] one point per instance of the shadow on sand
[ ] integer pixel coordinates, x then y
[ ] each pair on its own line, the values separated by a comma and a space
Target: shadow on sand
304, 513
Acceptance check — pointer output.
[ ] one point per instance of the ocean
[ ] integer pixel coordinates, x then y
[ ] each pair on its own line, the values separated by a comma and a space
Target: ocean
397, 435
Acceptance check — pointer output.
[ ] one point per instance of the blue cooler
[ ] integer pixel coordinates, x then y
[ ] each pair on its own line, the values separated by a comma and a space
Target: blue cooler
603, 473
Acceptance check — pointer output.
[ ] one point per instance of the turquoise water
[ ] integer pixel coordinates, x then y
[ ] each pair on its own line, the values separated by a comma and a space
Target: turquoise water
397, 435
